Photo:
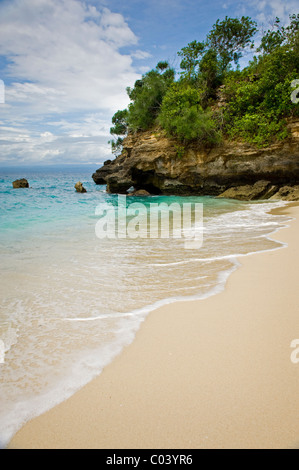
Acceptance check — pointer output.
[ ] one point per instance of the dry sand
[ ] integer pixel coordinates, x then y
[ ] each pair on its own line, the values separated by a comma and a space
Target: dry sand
214, 373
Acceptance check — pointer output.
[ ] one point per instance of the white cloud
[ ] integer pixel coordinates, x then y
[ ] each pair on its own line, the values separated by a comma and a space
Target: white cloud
268, 10
144, 69
64, 59
140, 55
26, 145
91, 125
67, 52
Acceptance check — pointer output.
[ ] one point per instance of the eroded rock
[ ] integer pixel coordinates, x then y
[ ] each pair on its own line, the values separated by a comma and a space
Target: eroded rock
79, 187
21, 183
260, 190
150, 160
287, 193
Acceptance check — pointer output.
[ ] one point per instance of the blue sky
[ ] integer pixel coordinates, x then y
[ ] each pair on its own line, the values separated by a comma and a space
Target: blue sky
66, 65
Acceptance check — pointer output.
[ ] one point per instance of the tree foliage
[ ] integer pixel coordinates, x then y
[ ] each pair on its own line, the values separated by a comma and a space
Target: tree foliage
119, 130
182, 116
255, 100
191, 59
259, 102
279, 35
146, 96
230, 37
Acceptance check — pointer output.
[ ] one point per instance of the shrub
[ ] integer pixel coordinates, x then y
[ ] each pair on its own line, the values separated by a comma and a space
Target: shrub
182, 116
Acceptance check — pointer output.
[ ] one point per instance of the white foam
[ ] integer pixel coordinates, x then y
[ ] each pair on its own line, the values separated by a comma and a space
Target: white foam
84, 369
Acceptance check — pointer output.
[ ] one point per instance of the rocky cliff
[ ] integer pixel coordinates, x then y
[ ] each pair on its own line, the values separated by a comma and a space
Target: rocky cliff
155, 163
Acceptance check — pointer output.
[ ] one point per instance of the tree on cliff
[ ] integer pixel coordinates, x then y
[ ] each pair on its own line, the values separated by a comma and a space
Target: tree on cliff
207, 61
147, 95
191, 55
183, 117
119, 130
279, 35
259, 97
146, 98
184, 112
255, 101
230, 37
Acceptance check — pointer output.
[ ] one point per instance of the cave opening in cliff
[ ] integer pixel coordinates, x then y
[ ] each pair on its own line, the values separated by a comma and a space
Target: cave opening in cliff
146, 180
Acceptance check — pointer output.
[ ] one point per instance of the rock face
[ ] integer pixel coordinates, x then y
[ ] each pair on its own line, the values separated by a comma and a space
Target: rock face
260, 190
153, 162
288, 193
79, 187
21, 183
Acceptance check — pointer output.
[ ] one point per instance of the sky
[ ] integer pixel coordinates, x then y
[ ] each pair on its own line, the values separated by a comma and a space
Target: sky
65, 66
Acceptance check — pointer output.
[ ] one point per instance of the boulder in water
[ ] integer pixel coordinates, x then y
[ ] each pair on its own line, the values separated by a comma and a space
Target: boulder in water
79, 187
21, 183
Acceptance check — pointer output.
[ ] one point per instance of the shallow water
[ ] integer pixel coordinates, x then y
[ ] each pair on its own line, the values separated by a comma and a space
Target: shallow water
69, 301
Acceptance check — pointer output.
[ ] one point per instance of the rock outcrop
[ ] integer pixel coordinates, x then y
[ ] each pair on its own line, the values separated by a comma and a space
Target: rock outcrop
287, 193
259, 190
21, 183
79, 187
139, 192
153, 162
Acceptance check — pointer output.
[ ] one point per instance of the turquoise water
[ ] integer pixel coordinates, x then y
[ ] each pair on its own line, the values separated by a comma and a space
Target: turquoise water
69, 301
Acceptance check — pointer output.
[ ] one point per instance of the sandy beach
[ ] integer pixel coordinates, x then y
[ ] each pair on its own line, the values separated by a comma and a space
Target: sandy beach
213, 373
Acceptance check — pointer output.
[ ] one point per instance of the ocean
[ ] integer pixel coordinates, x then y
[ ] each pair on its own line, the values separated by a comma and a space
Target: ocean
71, 301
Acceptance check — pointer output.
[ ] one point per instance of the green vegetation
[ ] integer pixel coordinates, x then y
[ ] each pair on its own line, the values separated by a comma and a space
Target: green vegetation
120, 129
147, 95
212, 98
182, 116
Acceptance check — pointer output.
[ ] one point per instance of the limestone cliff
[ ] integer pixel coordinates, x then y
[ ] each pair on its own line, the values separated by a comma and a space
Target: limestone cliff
155, 163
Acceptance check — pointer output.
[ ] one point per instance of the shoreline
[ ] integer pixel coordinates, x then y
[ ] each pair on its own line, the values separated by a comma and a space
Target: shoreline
210, 373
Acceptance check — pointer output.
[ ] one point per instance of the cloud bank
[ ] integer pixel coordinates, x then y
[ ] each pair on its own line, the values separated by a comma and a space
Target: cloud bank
65, 76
